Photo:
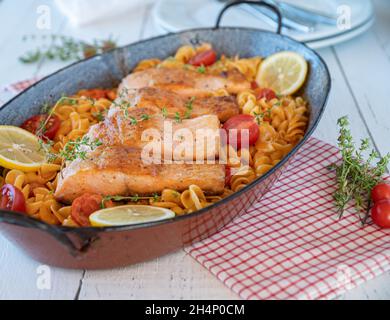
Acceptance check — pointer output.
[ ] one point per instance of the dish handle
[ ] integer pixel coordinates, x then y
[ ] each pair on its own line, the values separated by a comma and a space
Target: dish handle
258, 3
77, 241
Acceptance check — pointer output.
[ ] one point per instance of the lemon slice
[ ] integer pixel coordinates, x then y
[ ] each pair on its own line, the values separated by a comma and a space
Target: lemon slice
284, 72
20, 149
129, 215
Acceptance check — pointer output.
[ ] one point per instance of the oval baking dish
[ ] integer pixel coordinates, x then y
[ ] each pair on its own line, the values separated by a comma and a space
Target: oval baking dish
97, 248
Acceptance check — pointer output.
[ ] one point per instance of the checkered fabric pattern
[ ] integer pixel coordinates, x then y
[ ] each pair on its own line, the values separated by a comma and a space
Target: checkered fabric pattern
290, 244
9, 91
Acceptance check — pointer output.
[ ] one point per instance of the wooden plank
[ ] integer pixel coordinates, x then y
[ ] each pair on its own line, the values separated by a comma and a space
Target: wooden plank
177, 276
381, 27
125, 28
340, 103
375, 289
368, 72
12, 45
174, 276
21, 277
20, 274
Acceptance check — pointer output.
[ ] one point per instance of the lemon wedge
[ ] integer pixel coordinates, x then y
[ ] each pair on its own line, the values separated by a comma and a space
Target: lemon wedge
129, 215
20, 149
284, 72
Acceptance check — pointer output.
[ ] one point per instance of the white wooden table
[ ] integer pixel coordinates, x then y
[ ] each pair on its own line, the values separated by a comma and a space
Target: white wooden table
360, 72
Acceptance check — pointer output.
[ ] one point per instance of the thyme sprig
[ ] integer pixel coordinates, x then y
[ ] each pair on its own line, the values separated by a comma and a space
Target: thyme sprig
164, 112
134, 198
77, 149
201, 69
356, 176
50, 111
189, 108
47, 147
259, 116
178, 118
65, 48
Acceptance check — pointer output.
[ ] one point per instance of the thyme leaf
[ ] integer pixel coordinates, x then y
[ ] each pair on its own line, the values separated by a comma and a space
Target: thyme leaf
355, 175
77, 149
64, 48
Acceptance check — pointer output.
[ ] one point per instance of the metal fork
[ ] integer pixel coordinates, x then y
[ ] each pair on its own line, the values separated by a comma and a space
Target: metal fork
294, 17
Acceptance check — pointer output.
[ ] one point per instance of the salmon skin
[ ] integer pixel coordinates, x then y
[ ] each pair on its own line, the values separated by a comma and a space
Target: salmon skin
119, 170
186, 82
173, 104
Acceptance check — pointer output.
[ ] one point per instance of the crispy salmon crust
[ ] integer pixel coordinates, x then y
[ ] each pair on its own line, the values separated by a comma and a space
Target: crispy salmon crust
119, 170
185, 82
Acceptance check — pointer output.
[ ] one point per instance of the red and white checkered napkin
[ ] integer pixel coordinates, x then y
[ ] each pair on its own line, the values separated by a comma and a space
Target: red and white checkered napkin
9, 91
290, 244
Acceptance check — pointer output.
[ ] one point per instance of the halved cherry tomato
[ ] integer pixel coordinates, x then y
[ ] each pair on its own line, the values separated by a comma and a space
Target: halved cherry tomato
84, 206
228, 175
380, 214
11, 198
238, 123
380, 192
205, 58
35, 123
266, 93
254, 85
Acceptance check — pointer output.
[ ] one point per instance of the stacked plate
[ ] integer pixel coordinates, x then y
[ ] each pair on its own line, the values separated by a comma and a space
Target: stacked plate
351, 18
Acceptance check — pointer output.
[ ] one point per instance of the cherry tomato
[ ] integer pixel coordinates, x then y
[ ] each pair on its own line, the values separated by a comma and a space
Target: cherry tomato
380, 214
241, 122
205, 58
380, 192
12, 199
84, 206
228, 175
254, 85
266, 93
35, 123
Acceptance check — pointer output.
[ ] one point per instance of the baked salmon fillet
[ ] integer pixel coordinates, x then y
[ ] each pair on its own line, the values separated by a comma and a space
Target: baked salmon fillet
119, 170
185, 82
175, 104
187, 139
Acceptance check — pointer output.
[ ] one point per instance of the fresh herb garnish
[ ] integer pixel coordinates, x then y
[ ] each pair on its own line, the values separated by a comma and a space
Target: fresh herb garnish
122, 102
134, 198
133, 121
62, 101
46, 108
259, 116
356, 177
177, 117
156, 197
66, 48
78, 148
189, 107
201, 69
47, 147
145, 117
277, 104
164, 112
99, 116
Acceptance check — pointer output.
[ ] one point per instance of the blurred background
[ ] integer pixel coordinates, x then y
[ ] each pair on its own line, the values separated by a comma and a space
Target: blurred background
33, 43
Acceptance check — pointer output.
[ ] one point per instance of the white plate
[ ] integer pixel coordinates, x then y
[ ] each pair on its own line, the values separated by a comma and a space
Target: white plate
177, 15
